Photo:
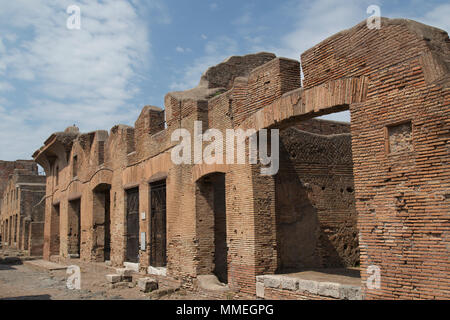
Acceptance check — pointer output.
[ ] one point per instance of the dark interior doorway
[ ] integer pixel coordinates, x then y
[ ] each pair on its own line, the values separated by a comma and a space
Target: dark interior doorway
132, 201
102, 223
158, 250
211, 217
54, 231
74, 227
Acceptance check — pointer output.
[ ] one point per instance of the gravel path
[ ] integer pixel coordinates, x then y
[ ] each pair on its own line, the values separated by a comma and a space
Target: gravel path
20, 281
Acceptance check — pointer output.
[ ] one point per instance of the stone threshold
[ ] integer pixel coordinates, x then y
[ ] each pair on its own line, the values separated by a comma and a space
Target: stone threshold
319, 288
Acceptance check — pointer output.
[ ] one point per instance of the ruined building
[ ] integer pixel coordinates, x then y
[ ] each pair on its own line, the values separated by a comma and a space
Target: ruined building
8, 167
372, 195
22, 207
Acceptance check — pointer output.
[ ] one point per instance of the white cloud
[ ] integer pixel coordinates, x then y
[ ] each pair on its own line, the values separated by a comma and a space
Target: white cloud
318, 20
215, 52
86, 76
438, 17
182, 50
5, 86
2, 47
161, 12
244, 19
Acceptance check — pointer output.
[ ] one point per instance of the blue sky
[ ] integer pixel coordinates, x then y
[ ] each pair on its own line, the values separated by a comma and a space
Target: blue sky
130, 53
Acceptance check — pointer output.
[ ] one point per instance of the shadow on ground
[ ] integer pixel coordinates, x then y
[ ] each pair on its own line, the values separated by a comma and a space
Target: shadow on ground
37, 297
7, 263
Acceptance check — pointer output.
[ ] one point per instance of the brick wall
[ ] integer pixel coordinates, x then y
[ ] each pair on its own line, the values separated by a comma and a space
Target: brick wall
8, 167
315, 204
23, 190
325, 127
399, 138
401, 191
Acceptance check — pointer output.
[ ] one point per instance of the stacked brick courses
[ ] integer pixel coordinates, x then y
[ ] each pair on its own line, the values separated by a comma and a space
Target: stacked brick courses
22, 210
383, 191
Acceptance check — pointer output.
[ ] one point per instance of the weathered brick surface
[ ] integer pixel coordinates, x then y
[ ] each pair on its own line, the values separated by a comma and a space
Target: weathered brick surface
388, 189
21, 210
8, 167
400, 189
315, 203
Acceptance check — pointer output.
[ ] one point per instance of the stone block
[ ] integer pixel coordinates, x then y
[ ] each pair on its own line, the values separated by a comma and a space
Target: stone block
147, 284
329, 289
260, 289
289, 283
124, 272
308, 286
272, 282
350, 292
113, 278
131, 266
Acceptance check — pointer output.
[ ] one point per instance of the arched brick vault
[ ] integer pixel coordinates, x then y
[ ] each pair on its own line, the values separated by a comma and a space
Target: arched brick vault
394, 81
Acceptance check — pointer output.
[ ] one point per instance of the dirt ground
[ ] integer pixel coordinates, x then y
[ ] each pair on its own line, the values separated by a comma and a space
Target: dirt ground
21, 281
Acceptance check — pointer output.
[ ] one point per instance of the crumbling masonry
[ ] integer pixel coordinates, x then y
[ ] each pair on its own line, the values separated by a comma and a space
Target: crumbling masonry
22, 206
375, 193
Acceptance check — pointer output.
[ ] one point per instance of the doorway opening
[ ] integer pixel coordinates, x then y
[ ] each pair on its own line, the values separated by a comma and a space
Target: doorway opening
212, 226
315, 212
74, 228
101, 249
132, 222
54, 230
158, 241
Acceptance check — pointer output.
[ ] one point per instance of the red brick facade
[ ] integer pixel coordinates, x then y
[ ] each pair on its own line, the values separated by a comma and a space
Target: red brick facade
22, 208
377, 197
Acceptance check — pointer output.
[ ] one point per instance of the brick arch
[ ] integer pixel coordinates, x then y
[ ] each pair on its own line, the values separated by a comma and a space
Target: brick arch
160, 175
394, 82
202, 170
302, 104
100, 177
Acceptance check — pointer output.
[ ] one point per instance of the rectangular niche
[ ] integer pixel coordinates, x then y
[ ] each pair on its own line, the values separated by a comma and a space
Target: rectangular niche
399, 138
